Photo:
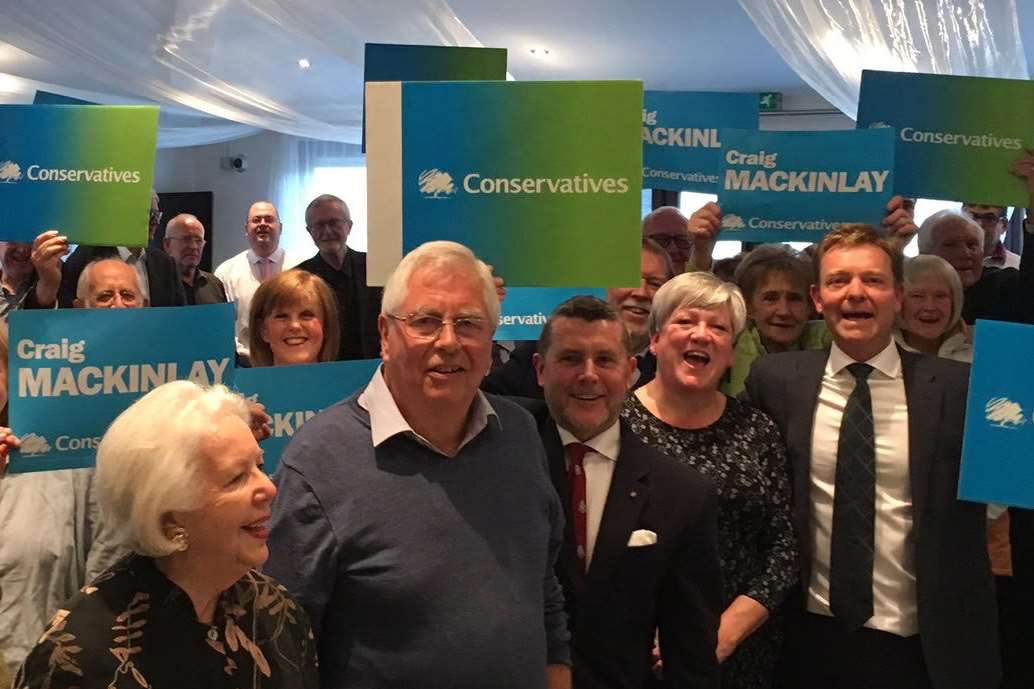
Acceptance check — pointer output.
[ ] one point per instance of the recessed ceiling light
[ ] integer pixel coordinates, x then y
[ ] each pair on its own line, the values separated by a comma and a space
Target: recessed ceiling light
539, 52
304, 63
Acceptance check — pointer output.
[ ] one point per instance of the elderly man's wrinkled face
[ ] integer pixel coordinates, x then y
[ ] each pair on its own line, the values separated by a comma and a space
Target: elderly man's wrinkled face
634, 303
991, 220
16, 258
328, 225
113, 285
185, 241
962, 245
263, 228
670, 229
438, 346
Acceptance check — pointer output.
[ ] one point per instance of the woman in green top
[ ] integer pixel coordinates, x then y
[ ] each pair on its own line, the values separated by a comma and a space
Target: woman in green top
774, 281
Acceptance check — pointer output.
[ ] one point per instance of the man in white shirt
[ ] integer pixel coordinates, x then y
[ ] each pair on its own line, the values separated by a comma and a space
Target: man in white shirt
242, 274
641, 545
895, 575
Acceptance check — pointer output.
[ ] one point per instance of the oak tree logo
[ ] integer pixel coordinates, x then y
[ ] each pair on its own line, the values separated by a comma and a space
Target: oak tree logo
434, 183
10, 172
733, 221
1004, 413
33, 444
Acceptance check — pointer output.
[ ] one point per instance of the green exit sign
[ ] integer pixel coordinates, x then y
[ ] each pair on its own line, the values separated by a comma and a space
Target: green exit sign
771, 100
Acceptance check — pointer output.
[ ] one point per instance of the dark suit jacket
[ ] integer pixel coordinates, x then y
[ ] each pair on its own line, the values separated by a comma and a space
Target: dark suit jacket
358, 304
517, 376
163, 280
628, 593
956, 602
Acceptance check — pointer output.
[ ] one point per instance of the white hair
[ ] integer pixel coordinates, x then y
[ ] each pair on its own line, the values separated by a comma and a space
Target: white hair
82, 288
440, 256
942, 218
928, 264
697, 290
149, 462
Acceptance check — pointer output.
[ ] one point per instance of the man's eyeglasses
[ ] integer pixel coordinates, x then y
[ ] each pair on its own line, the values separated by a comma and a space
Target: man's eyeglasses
427, 327
189, 241
666, 240
333, 223
987, 218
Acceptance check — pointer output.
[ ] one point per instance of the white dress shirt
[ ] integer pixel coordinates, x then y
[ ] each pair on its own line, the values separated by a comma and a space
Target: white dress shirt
240, 277
138, 264
893, 578
599, 470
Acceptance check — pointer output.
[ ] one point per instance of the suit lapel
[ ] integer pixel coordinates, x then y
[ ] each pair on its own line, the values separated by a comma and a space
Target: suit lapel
568, 559
628, 495
923, 398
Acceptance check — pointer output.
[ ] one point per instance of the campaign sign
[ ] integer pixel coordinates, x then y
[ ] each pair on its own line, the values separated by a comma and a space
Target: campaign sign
540, 179
997, 465
391, 62
294, 394
797, 186
84, 170
72, 371
526, 309
956, 136
681, 149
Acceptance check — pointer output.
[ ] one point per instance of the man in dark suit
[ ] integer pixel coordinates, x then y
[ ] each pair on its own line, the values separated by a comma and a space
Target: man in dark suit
328, 221
640, 549
517, 376
159, 278
894, 569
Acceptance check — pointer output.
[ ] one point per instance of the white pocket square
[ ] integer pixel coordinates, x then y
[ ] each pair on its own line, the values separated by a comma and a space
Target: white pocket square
641, 537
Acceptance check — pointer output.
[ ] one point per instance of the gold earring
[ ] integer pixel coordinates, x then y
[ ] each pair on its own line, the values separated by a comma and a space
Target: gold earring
179, 538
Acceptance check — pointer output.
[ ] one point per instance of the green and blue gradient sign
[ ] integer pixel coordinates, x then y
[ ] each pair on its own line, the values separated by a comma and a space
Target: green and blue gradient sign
540, 179
681, 149
72, 371
797, 186
391, 62
84, 170
294, 394
997, 461
956, 136
526, 309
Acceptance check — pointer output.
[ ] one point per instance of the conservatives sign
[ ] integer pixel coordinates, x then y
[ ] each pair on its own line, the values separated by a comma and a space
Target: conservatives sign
540, 179
84, 170
72, 371
680, 136
797, 186
956, 136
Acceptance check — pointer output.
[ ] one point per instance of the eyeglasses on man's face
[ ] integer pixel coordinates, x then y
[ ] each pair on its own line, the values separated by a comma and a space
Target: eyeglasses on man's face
332, 223
425, 326
667, 240
987, 218
188, 241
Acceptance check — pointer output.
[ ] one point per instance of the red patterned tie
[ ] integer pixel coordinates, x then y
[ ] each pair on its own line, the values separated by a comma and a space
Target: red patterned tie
579, 506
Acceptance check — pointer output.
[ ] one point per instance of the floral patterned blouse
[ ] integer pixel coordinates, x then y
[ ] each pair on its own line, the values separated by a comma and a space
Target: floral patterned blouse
132, 628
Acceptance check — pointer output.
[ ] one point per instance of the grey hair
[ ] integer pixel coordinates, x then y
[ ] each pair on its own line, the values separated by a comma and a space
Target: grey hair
82, 288
940, 218
149, 462
440, 256
697, 290
928, 264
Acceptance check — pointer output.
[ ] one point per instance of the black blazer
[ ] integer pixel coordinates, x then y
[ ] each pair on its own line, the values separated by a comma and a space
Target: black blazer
517, 376
163, 279
674, 586
954, 586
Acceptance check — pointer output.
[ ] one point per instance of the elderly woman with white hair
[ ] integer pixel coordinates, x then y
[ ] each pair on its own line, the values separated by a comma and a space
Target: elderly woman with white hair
181, 472
931, 310
681, 412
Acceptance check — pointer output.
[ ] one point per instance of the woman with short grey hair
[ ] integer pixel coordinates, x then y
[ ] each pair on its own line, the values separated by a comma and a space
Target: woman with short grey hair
181, 472
693, 324
931, 310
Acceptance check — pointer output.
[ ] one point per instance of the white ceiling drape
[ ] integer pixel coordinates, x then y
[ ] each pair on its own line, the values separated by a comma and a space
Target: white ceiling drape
829, 42
220, 68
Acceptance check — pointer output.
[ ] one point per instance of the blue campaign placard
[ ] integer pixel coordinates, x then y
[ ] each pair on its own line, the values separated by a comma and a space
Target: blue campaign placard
998, 449
681, 148
525, 309
797, 186
294, 394
72, 371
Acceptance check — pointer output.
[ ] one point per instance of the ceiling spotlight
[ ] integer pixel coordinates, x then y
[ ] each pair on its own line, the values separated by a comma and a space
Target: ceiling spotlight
304, 63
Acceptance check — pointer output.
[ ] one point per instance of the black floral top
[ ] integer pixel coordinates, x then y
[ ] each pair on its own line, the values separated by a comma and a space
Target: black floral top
132, 628
744, 455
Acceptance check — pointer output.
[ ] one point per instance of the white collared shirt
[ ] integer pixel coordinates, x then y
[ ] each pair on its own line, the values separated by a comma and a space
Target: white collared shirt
387, 421
893, 578
599, 470
141, 268
240, 277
